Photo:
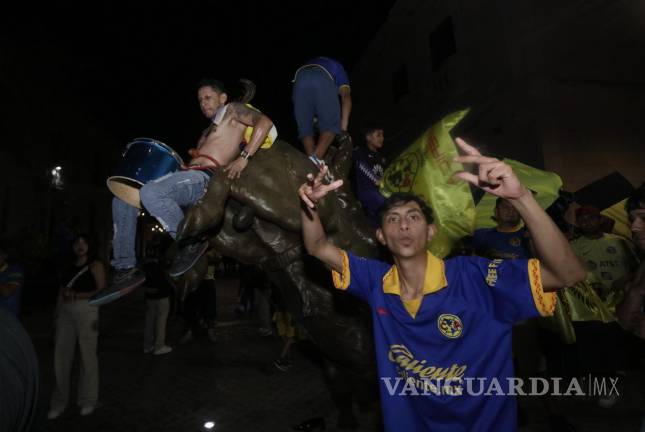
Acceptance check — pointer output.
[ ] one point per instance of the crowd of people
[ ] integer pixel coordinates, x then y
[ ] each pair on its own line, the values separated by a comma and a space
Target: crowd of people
436, 322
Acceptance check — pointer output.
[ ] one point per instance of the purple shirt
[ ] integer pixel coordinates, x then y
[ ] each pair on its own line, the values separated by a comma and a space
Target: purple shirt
369, 170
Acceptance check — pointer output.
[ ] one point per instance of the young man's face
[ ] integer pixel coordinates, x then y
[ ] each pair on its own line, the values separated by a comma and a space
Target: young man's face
637, 226
506, 214
404, 230
210, 100
374, 140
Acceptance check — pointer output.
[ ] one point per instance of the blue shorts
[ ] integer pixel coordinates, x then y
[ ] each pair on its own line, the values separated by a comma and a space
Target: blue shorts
315, 95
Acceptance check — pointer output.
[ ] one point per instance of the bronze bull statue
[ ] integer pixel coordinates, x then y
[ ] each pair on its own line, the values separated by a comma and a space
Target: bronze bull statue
269, 236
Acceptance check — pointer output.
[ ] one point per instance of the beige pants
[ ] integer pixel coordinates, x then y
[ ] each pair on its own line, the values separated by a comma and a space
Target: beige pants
76, 322
154, 334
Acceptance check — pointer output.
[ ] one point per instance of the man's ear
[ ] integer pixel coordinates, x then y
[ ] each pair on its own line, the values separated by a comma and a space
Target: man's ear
432, 231
380, 237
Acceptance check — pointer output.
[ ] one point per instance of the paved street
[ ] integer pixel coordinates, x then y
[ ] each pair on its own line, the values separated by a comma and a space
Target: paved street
229, 382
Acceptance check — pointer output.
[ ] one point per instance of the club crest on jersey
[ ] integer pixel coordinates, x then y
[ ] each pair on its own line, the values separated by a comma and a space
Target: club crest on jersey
515, 241
450, 325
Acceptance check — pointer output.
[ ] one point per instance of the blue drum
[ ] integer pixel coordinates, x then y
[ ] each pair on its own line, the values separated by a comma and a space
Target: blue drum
143, 160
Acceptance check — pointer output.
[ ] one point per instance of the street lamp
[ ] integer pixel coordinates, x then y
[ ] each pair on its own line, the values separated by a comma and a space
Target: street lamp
56, 177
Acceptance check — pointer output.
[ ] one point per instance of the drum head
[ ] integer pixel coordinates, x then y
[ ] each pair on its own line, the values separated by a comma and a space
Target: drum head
126, 189
166, 147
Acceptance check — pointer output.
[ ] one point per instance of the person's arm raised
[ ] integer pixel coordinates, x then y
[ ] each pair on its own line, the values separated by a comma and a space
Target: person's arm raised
313, 232
560, 266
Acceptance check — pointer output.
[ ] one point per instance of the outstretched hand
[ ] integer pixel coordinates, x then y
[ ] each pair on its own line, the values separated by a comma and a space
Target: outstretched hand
494, 176
314, 189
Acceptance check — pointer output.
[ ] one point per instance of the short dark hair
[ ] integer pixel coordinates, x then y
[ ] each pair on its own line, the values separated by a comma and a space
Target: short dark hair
636, 200
371, 128
213, 83
400, 198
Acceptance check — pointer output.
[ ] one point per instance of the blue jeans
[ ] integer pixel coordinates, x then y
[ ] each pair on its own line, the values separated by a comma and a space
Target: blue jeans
163, 198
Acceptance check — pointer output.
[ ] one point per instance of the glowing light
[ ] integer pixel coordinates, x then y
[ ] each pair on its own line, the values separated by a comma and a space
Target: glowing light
58, 168
209, 425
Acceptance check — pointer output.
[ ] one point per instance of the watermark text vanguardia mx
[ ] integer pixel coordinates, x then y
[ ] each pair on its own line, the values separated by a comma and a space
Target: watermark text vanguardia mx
512, 386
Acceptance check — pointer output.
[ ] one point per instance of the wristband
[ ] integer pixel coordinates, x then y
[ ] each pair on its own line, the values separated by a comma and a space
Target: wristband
245, 155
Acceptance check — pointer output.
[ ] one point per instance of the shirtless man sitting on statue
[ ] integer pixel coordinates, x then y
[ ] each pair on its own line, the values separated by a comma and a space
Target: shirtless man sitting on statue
237, 132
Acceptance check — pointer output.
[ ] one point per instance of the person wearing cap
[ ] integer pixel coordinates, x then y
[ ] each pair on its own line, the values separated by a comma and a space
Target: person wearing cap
369, 165
316, 89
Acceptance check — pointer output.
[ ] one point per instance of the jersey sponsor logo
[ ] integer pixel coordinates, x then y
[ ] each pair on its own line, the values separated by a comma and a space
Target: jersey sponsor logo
450, 325
491, 276
407, 364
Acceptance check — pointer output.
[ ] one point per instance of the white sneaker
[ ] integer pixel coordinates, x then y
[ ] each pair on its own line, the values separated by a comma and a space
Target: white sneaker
53, 414
87, 409
163, 350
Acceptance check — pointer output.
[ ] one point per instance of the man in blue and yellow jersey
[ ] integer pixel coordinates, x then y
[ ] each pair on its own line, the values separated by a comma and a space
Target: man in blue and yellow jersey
440, 326
316, 89
508, 240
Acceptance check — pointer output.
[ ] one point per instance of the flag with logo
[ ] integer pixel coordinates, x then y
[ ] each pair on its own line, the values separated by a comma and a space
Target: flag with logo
425, 168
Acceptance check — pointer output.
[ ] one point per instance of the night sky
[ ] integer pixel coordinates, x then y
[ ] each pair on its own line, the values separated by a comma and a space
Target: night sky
132, 69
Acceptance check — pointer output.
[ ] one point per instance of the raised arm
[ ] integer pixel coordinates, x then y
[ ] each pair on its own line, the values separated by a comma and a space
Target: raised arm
559, 265
313, 233
261, 125
345, 107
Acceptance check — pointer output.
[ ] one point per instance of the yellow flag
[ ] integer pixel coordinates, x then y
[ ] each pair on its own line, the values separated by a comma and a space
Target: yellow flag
618, 213
545, 186
581, 302
425, 168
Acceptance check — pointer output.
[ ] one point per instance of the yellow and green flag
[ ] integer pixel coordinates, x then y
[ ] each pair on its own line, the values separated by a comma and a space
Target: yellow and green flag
545, 186
425, 168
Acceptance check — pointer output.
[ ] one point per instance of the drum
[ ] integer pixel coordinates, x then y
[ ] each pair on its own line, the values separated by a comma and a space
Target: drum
143, 160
